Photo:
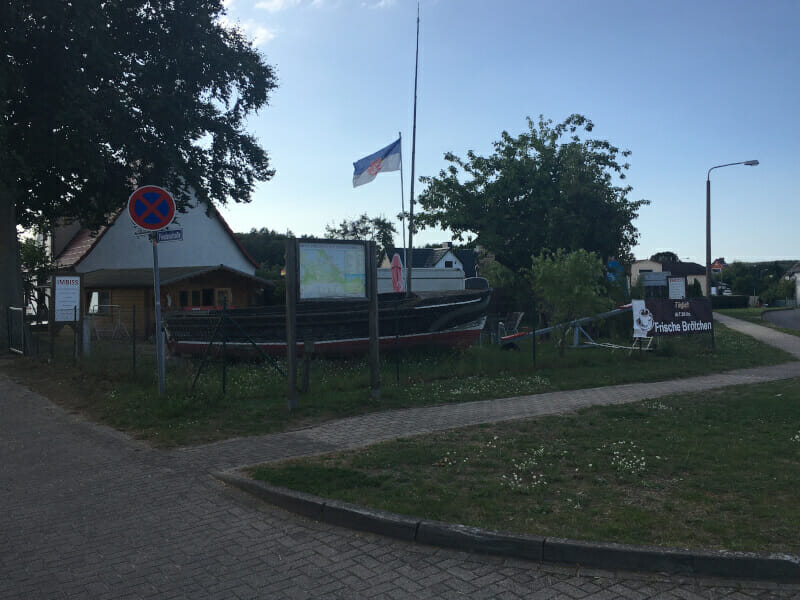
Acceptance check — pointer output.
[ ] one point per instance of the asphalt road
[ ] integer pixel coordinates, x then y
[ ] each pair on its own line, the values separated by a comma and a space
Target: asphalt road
790, 319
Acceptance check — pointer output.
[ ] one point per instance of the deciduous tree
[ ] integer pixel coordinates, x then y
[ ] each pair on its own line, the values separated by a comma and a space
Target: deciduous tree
97, 98
543, 190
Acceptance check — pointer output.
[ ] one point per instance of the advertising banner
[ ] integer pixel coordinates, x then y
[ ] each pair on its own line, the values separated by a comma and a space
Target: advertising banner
655, 317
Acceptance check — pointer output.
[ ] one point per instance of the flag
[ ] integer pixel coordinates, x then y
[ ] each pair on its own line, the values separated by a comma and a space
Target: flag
385, 159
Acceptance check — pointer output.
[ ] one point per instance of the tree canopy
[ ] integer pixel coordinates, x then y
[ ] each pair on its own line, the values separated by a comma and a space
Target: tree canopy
97, 98
665, 256
379, 229
543, 190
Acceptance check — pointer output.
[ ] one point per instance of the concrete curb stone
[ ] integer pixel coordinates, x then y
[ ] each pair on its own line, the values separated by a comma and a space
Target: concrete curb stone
604, 555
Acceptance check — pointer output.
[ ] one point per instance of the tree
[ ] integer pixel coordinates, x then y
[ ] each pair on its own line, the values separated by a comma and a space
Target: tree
543, 190
665, 256
97, 98
365, 228
569, 285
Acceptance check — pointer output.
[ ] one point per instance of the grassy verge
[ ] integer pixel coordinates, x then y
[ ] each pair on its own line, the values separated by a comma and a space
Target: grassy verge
753, 315
104, 388
716, 470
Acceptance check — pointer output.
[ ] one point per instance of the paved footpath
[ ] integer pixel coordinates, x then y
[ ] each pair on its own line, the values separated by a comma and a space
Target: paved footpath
85, 512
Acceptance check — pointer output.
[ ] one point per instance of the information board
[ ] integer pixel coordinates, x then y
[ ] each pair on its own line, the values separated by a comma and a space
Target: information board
655, 317
68, 298
332, 271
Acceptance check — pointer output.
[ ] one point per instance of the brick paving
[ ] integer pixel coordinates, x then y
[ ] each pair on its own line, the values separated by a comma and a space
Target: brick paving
86, 512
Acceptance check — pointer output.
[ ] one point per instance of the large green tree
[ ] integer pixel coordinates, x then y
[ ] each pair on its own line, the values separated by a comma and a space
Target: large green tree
543, 190
97, 98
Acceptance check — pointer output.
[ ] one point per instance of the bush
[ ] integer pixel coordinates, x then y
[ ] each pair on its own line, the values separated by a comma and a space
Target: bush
729, 301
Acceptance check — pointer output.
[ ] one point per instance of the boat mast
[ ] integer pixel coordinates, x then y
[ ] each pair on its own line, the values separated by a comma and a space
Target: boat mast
413, 156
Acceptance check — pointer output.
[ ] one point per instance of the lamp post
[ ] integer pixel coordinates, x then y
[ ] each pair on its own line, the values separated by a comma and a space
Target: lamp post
749, 163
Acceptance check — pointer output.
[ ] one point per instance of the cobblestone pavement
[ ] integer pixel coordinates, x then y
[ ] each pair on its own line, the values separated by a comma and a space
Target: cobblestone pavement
85, 512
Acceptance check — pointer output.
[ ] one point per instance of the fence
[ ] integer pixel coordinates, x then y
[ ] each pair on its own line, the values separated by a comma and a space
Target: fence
16, 330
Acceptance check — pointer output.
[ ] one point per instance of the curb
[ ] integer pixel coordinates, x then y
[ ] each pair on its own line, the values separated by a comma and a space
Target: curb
784, 568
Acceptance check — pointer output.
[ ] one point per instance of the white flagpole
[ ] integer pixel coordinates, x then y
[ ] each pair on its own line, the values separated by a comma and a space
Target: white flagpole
402, 200
413, 152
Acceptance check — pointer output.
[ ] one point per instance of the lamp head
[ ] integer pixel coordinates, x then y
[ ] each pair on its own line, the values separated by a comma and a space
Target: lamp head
751, 163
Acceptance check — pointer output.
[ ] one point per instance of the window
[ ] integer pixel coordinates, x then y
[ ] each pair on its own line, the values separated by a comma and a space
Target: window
224, 297
100, 302
196, 298
448, 264
208, 297
183, 298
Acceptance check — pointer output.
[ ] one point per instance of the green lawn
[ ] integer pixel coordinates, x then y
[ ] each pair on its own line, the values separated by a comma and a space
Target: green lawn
104, 388
712, 470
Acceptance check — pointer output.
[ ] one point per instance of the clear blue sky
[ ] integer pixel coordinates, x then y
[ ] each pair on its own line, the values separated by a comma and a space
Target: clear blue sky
685, 85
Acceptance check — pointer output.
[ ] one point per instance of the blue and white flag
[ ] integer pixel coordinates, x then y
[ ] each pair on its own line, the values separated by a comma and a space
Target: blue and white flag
385, 159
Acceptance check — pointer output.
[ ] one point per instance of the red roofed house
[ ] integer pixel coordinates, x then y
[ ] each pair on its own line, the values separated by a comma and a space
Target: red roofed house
207, 268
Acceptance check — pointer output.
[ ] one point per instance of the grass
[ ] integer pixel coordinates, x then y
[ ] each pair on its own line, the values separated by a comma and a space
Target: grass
753, 315
713, 470
103, 387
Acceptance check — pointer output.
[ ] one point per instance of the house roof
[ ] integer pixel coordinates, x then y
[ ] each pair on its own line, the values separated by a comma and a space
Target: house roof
795, 268
82, 244
138, 278
683, 268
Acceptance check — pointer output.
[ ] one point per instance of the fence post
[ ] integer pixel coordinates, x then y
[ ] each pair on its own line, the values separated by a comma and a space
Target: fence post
133, 338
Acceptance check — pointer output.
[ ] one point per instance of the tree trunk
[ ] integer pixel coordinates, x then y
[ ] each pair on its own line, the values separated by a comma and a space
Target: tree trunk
10, 271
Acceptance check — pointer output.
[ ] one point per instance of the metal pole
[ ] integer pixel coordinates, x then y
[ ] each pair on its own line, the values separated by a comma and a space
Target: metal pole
708, 254
291, 322
410, 256
402, 202
159, 339
224, 344
133, 337
374, 334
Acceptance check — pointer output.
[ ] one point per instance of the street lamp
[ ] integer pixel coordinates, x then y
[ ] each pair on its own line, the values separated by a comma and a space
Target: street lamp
749, 163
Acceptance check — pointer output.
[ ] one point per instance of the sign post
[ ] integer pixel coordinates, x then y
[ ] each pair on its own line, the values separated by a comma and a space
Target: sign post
153, 208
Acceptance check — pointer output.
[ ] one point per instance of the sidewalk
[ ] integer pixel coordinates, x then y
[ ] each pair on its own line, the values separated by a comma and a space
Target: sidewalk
86, 512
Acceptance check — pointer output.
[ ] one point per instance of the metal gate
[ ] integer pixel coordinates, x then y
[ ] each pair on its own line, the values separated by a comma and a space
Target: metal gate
16, 330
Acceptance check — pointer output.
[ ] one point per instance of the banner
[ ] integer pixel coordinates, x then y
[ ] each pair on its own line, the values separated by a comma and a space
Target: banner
655, 317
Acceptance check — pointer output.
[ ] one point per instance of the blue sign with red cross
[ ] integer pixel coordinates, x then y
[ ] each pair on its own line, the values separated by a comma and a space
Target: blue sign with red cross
151, 207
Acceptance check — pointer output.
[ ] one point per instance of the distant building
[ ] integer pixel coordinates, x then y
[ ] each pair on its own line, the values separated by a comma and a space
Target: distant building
794, 273
692, 271
718, 266
444, 257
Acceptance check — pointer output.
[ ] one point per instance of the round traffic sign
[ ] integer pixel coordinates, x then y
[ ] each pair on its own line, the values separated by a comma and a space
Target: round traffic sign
151, 207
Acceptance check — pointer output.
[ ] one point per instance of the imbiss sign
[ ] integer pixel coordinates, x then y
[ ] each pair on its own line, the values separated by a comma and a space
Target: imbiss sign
655, 317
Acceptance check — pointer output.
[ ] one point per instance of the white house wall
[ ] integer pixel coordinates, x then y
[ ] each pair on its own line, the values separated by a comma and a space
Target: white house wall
205, 243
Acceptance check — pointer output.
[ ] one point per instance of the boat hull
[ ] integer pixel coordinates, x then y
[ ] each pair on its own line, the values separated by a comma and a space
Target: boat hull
450, 320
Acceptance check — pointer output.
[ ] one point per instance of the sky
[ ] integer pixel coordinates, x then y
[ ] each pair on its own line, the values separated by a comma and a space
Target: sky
684, 85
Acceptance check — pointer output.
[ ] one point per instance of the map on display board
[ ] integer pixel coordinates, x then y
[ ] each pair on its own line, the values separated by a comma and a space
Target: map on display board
332, 270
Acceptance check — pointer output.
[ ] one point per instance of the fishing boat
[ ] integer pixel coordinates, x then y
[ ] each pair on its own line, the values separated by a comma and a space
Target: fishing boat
449, 319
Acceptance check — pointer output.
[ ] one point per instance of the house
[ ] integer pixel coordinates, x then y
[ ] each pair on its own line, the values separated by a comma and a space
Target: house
692, 271
444, 257
209, 267
718, 265
794, 273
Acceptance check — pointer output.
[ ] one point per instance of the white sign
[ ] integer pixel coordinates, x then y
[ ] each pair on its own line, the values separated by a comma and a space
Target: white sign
68, 298
642, 319
330, 270
677, 288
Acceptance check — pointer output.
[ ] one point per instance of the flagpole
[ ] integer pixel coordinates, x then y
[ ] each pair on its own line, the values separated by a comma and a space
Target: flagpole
402, 199
413, 156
